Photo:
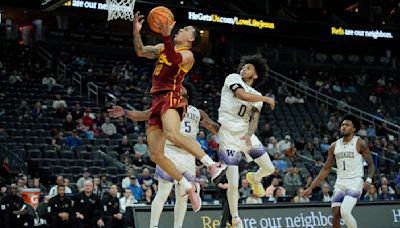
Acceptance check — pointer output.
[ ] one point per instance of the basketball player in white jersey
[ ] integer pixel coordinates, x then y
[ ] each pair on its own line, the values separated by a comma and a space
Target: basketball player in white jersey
349, 153
239, 113
183, 161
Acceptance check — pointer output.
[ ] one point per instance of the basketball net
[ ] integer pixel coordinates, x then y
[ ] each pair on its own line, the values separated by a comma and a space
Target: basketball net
120, 9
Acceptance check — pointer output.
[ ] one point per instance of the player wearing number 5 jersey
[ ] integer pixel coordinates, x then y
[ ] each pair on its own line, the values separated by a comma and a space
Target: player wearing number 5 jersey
239, 113
349, 153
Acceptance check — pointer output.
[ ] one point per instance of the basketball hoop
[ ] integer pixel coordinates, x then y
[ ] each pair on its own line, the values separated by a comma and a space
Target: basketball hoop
120, 9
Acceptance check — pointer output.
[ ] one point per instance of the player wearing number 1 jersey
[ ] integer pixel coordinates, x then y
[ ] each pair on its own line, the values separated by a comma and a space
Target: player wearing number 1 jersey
239, 113
349, 153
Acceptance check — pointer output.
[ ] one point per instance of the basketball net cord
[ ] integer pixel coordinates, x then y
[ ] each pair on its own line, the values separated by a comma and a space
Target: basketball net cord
120, 9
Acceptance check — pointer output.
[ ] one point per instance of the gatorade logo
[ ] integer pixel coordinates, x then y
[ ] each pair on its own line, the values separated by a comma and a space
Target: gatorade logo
34, 199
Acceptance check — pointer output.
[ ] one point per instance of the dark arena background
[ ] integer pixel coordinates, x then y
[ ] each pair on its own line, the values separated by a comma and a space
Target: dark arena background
62, 65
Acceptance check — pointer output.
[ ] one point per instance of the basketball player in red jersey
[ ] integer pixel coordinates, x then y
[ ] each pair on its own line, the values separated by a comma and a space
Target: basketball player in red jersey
174, 61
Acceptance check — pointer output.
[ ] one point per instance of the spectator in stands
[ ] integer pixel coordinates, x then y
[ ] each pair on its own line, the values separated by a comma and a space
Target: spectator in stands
324, 147
121, 126
82, 180
67, 185
69, 124
99, 119
14, 210
253, 199
23, 111
273, 145
134, 127
125, 147
384, 181
290, 99
58, 101
6, 172
37, 112
299, 99
36, 184
299, 198
93, 132
82, 128
138, 161
371, 131
97, 190
274, 185
269, 179
324, 195
141, 147
59, 182
279, 163
137, 191
284, 145
127, 180
61, 112
283, 90
318, 165
60, 210
362, 132
148, 196
49, 82
271, 94
87, 119
266, 132
292, 178
245, 189
385, 193
14, 78
147, 180
108, 128
275, 195
87, 207
73, 140
110, 212
21, 184
201, 138
371, 194
77, 112
126, 201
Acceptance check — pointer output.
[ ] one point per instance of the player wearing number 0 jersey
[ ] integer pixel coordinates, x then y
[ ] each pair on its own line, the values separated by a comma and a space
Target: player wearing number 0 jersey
239, 113
349, 153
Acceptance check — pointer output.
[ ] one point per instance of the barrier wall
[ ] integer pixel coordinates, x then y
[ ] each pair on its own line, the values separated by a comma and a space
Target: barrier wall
368, 215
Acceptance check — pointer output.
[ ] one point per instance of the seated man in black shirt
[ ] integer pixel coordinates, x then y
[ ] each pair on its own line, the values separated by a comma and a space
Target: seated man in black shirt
110, 213
60, 210
87, 208
14, 210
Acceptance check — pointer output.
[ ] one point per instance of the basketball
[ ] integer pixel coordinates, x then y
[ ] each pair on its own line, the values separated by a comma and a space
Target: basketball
161, 14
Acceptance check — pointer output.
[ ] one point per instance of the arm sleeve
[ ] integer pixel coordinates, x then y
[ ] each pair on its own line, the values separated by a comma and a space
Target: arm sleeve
234, 82
172, 56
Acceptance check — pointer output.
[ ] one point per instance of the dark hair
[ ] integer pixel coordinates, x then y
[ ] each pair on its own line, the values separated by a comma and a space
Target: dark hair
259, 63
275, 191
196, 35
60, 186
354, 120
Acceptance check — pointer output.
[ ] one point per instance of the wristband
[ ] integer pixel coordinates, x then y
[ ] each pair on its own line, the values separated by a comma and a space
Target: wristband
369, 180
125, 112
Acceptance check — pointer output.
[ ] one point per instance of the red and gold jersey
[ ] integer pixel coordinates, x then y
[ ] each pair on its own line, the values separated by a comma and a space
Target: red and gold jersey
168, 76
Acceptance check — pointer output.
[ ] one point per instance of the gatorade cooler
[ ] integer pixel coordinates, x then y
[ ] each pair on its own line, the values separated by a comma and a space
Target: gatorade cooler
31, 196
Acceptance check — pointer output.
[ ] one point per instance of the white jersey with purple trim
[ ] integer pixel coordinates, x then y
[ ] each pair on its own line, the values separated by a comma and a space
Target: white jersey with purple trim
234, 113
189, 126
349, 162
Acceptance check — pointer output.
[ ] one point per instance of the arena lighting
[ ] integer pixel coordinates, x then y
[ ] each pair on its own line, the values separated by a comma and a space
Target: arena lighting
48, 5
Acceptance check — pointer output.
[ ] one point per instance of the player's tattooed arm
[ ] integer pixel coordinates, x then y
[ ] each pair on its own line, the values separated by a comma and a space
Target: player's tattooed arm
364, 150
148, 51
208, 123
255, 118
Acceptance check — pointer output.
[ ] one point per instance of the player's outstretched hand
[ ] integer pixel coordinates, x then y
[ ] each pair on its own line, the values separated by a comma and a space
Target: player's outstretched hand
165, 29
116, 112
247, 140
271, 102
137, 22
307, 192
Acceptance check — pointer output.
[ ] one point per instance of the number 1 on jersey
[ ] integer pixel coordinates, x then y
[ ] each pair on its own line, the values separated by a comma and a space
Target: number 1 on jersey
344, 166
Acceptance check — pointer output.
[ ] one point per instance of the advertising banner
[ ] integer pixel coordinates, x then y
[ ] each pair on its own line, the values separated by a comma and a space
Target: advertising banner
368, 215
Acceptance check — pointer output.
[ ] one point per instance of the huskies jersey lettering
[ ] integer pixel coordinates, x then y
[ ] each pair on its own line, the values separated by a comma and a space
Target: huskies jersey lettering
234, 113
349, 162
189, 124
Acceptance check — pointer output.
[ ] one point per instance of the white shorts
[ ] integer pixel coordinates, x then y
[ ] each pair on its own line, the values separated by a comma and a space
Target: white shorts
232, 148
183, 161
346, 187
